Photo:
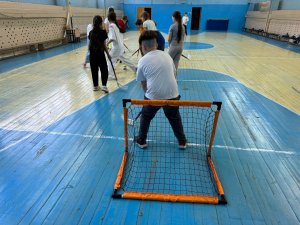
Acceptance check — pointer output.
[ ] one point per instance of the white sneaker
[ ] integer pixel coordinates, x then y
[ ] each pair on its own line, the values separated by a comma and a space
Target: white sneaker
104, 89
96, 88
111, 77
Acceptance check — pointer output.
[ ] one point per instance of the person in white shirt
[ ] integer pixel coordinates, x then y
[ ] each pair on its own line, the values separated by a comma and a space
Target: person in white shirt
185, 20
106, 22
150, 25
147, 23
87, 56
117, 50
158, 82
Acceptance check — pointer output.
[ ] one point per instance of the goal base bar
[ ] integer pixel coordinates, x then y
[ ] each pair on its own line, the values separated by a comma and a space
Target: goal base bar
172, 197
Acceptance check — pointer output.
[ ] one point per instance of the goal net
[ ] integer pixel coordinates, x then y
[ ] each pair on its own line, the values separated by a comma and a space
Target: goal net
162, 171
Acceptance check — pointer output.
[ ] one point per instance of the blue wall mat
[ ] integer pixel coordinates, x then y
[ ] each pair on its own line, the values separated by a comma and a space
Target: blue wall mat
235, 14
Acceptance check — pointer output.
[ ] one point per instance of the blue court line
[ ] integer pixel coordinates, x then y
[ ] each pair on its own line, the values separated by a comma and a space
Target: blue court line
274, 42
22, 60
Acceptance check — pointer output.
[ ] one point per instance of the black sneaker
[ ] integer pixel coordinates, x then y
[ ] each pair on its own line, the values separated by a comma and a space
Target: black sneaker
140, 143
182, 144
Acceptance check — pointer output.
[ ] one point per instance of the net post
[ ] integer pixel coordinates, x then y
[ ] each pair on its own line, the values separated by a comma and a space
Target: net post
116, 195
125, 101
215, 176
222, 200
125, 112
217, 113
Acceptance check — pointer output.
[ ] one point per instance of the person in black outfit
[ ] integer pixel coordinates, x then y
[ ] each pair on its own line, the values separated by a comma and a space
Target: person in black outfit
97, 49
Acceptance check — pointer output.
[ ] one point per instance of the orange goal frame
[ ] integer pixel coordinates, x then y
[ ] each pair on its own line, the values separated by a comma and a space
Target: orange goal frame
220, 199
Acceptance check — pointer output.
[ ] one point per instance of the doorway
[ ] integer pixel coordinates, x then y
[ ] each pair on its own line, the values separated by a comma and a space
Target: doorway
140, 10
196, 16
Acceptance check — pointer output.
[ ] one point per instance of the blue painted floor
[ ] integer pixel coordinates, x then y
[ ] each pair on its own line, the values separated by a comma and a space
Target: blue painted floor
65, 173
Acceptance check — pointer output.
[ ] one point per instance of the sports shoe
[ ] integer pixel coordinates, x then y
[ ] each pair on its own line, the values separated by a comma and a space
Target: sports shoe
104, 89
96, 88
111, 77
182, 144
140, 143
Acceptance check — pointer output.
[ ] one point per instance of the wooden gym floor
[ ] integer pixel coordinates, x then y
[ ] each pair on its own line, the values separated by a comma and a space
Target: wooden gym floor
61, 143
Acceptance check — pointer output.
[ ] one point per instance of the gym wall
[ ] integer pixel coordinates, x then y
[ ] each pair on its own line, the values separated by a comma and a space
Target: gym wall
27, 27
282, 17
162, 10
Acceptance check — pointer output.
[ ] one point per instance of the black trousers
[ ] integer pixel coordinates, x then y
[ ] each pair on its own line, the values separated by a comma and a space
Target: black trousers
98, 60
185, 29
171, 112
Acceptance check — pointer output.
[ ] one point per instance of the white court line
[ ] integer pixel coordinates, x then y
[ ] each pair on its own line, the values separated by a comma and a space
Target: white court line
122, 139
15, 143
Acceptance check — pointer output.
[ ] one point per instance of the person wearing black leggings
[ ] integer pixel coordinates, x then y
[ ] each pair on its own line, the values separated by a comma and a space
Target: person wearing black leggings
97, 49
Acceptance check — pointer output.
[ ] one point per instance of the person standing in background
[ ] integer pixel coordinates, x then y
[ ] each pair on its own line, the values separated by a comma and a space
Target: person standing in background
117, 50
97, 48
106, 22
123, 24
185, 20
176, 38
87, 56
149, 24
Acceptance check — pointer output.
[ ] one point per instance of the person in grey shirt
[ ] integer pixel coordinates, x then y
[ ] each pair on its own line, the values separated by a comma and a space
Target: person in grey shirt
176, 38
158, 82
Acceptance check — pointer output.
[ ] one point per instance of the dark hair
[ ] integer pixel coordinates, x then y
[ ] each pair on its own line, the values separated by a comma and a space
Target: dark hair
97, 21
95, 42
112, 17
145, 15
147, 35
125, 18
139, 22
111, 9
177, 17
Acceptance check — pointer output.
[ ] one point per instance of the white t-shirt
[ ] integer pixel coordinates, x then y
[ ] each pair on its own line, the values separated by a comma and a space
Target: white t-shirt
157, 68
88, 30
115, 35
185, 20
149, 25
106, 21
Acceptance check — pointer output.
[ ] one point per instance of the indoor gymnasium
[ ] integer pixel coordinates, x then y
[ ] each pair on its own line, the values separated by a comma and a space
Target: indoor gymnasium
165, 112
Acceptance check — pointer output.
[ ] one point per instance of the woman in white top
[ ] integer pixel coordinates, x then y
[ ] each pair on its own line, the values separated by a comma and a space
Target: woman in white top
117, 50
106, 22
147, 23
185, 20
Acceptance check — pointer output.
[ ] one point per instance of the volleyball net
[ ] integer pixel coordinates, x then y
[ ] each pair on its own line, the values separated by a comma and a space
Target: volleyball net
162, 171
